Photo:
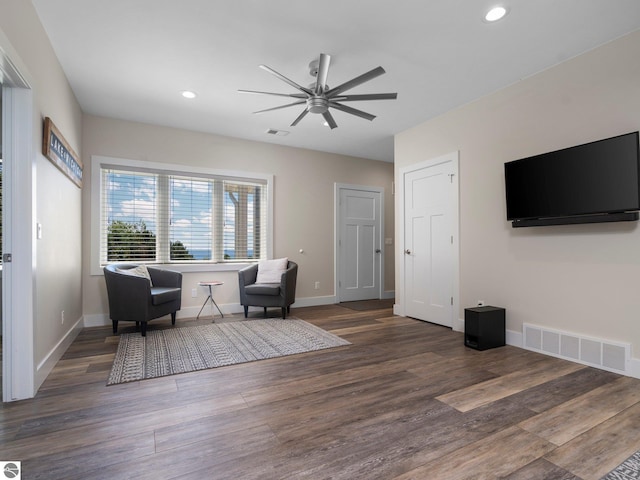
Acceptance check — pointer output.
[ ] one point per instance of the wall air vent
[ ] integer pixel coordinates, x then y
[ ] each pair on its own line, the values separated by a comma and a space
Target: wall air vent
596, 352
280, 133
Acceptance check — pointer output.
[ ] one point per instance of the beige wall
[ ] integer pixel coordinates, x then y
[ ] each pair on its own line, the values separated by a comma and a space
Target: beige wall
304, 211
584, 278
303, 199
57, 265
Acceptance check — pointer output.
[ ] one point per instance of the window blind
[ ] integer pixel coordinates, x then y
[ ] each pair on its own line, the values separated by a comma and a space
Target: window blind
164, 217
129, 227
190, 222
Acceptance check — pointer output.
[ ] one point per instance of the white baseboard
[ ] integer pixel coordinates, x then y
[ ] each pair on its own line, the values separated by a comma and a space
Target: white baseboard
46, 365
315, 301
514, 338
458, 325
96, 320
102, 319
634, 367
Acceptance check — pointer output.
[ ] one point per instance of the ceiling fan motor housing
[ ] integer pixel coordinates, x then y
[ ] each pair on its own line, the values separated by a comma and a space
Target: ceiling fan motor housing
317, 104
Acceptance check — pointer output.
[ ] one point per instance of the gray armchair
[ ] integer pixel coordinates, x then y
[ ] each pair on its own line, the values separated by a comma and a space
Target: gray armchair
265, 295
134, 299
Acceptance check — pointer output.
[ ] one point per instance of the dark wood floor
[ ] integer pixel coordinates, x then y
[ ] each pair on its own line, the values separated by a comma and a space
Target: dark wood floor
405, 400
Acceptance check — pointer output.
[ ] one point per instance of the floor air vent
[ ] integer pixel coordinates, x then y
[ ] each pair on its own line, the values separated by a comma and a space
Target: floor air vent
604, 354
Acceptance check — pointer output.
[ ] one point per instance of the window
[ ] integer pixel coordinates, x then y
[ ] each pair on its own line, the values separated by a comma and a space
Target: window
149, 213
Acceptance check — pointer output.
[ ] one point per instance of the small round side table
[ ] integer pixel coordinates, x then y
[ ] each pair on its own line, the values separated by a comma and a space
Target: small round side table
213, 283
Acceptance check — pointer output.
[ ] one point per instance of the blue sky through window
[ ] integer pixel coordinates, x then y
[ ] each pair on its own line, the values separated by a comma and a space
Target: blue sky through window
191, 215
133, 197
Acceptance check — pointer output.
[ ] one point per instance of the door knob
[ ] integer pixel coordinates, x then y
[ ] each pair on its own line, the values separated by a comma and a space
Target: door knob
407, 251
378, 250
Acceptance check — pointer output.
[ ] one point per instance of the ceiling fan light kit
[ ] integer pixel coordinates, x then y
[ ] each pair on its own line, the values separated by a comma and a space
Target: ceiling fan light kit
318, 98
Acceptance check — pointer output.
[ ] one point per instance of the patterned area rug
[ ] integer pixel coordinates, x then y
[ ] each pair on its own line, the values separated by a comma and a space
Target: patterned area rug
627, 470
186, 349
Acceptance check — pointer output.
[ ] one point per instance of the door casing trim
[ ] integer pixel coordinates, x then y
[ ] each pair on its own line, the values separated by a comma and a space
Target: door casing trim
338, 187
399, 307
18, 376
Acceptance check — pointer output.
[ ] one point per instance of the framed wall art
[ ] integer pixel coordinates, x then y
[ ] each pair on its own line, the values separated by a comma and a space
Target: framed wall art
60, 153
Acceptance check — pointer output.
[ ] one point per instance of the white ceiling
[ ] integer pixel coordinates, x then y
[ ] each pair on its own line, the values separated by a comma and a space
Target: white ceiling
130, 59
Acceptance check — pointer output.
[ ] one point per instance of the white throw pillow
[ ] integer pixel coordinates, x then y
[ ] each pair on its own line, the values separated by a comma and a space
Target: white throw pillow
139, 271
270, 271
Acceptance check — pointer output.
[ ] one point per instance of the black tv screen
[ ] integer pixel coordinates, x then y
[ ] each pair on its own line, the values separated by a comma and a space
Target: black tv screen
601, 177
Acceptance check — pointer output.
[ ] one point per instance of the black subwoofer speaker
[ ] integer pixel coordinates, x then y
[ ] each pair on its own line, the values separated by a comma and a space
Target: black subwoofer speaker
484, 327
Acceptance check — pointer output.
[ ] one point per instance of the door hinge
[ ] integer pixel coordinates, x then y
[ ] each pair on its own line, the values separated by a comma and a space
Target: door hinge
7, 258
451, 239
452, 301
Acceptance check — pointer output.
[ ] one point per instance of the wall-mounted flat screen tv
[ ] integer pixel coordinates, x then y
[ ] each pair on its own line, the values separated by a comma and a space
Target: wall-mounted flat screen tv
594, 182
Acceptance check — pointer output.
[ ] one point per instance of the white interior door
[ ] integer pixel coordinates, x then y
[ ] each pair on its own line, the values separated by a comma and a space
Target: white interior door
359, 244
429, 243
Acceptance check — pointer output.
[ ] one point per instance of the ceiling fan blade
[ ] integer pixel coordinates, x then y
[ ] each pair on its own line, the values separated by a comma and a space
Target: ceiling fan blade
281, 106
329, 119
370, 96
300, 117
323, 72
352, 111
286, 80
365, 77
294, 95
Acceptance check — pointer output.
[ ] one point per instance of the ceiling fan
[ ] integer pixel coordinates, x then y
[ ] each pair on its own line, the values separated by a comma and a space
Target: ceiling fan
318, 97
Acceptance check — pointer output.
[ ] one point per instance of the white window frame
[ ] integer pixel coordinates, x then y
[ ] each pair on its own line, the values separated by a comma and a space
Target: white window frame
99, 162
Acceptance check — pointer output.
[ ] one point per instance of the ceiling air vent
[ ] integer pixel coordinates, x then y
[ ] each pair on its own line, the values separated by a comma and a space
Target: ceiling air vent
280, 133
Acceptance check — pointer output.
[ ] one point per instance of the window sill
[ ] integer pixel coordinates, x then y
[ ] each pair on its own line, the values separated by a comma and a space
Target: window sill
189, 268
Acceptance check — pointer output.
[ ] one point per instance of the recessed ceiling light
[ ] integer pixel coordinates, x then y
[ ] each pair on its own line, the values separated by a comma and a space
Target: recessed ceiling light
495, 14
188, 94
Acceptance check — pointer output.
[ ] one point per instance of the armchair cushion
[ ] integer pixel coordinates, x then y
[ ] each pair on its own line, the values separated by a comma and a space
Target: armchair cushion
263, 289
160, 295
270, 271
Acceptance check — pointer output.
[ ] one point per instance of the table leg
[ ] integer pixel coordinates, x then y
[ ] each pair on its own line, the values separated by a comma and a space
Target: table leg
201, 308
213, 302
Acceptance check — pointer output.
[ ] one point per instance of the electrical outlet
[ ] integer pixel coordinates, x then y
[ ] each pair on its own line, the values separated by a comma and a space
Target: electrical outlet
317, 286
481, 303
194, 292
62, 317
